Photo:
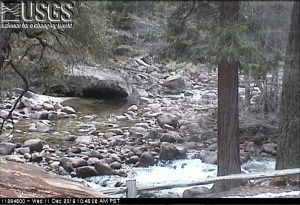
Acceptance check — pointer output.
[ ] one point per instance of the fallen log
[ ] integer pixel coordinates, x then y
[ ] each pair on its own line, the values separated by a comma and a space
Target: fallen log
276, 173
273, 174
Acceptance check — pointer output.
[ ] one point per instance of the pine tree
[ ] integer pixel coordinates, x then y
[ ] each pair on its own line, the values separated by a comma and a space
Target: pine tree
288, 151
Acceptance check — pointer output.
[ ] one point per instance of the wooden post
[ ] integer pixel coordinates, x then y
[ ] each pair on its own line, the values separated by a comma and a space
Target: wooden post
131, 188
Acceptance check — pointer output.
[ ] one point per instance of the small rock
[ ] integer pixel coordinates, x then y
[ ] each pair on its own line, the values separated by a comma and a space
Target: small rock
84, 140
15, 158
42, 127
75, 150
57, 106
68, 110
48, 106
116, 131
152, 134
36, 157
3, 113
7, 148
42, 115
134, 130
78, 162
55, 165
92, 161
212, 147
86, 171
27, 156
23, 150
34, 145
133, 108
52, 115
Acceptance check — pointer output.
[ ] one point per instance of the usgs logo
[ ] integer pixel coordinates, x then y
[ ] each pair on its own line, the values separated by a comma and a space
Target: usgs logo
37, 14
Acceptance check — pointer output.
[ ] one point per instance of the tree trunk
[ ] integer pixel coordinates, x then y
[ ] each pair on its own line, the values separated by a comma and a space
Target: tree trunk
228, 118
288, 151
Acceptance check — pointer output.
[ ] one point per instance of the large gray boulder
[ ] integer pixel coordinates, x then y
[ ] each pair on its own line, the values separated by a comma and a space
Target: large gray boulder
175, 82
169, 151
195, 192
7, 148
34, 145
168, 119
93, 82
86, 171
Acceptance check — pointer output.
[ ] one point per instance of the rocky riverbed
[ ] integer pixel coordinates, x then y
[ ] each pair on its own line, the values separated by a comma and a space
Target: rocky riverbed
170, 115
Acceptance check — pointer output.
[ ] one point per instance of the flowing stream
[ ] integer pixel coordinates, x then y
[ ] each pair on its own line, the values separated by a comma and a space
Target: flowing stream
178, 171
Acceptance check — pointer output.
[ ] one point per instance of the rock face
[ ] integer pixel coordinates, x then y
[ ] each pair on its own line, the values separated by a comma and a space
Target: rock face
93, 83
7, 148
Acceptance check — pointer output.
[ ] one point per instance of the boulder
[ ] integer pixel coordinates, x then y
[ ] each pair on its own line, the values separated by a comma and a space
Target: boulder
146, 159
269, 148
48, 106
84, 140
15, 158
134, 130
42, 127
42, 115
168, 119
92, 82
36, 157
169, 151
208, 157
171, 136
34, 145
195, 192
7, 148
86, 171
3, 113
66, 163
103, 169
175, 82
68, 110
78, 162
133, 159
116, 165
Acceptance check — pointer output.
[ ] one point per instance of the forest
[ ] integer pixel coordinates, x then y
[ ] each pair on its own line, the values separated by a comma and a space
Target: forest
150, 99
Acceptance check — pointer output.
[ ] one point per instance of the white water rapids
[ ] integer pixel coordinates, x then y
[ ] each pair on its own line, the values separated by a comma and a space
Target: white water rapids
178, 171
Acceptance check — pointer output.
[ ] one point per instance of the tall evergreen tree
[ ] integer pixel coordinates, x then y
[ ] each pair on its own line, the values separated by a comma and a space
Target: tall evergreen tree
288, 151
228, 118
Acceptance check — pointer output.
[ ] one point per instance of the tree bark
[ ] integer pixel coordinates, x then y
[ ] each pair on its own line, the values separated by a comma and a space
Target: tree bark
228, 112
288, 151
